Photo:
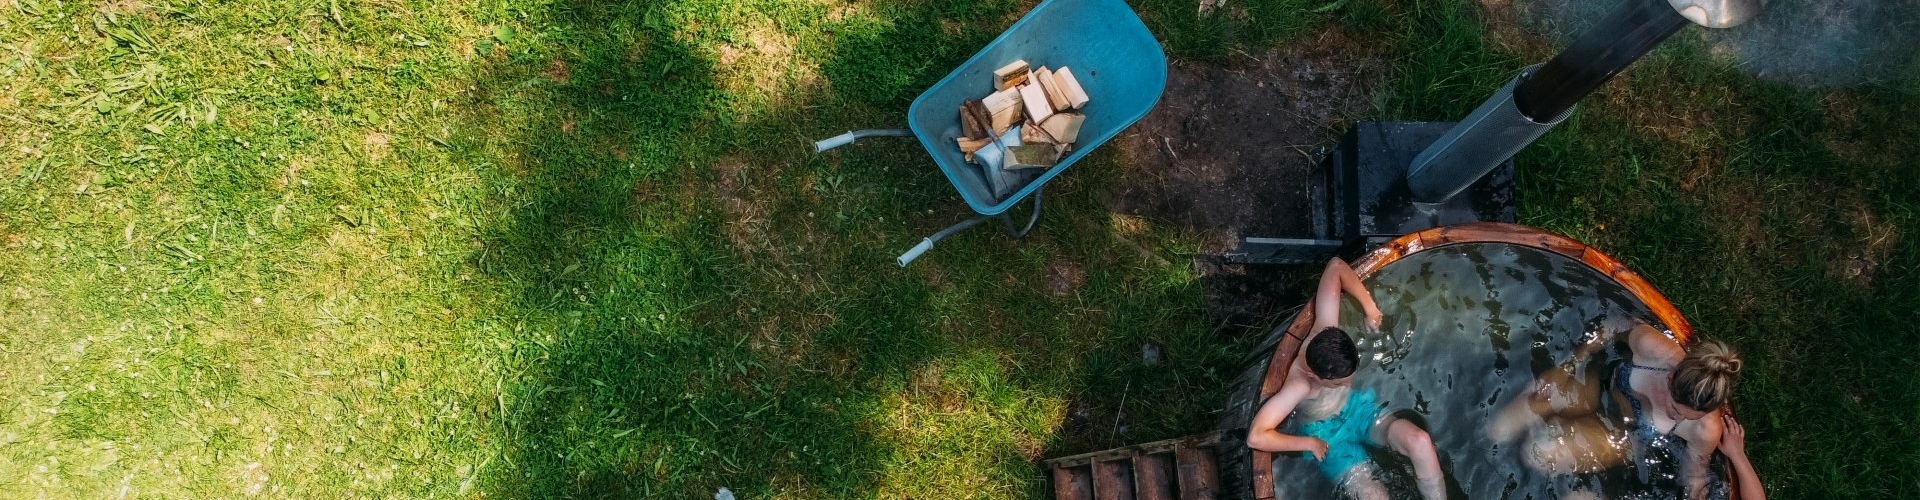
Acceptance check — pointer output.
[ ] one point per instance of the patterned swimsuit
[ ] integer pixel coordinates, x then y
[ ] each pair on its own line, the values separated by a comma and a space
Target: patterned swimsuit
1641, 428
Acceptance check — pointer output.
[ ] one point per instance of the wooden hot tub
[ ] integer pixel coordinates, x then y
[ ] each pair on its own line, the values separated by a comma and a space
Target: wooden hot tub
1248, 474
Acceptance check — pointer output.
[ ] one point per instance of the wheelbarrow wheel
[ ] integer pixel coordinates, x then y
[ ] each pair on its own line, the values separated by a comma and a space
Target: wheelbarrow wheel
1006, 222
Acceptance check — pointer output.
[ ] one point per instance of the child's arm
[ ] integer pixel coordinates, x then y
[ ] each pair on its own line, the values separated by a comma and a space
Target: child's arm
1264, 433
1326, 301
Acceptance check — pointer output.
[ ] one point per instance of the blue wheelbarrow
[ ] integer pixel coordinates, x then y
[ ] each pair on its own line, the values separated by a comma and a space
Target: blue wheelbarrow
1110, 51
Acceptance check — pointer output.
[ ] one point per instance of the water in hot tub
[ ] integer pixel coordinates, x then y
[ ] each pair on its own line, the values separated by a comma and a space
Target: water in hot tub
1467, 329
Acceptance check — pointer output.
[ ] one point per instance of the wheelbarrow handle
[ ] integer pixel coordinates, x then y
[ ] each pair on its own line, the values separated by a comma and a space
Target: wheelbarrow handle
927, 243
914, 253
850, 136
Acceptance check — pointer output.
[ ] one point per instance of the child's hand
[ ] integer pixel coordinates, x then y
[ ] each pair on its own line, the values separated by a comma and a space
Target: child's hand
1373, 319
1318, 448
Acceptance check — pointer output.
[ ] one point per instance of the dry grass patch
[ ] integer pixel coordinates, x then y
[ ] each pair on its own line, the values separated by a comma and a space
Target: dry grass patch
1738, 224
1505, 24
763, 70
1872, 239
377, 146
1064, 277
746, 203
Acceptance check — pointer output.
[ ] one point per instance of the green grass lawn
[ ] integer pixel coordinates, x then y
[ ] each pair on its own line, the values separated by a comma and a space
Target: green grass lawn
358, 248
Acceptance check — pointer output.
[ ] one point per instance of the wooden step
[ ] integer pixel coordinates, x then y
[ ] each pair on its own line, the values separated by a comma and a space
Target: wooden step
1173, 469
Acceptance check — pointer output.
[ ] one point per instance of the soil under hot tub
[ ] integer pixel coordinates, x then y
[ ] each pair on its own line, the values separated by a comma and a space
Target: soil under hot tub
1227, 149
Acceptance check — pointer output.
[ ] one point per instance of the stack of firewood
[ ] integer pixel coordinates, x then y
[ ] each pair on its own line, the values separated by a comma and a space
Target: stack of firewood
1030, 120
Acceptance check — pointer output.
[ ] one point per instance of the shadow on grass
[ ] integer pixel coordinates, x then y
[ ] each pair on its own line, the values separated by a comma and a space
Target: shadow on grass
692, 300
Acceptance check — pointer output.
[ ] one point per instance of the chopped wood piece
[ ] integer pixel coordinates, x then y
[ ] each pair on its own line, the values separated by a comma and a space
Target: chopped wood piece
974, 120
1004, 107
1003, 99
1031, 156
1055, 98
1033, 134
1038, 109
1011, 75
1064, 128
1005, 119
971, 145
1070, 88
981, 116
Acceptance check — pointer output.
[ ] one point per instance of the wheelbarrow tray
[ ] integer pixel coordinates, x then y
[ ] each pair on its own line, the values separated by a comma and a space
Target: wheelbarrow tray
1111, 53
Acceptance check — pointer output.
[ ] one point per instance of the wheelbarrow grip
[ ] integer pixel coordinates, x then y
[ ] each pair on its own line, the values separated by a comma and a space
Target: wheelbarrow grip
925, 245
848, 138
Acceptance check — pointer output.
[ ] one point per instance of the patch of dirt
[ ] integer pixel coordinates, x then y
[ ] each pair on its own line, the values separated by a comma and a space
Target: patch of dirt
292, 176
1508, 23
1740, 230
378, 145
557, 71
763, 66
1873, 241
1064, 277
746, 213
1228, 150
114, 6
253, 478
1842, 110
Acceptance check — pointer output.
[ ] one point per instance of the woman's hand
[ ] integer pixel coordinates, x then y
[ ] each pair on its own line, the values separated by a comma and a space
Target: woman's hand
1733, 444
1733, 440
1373, 318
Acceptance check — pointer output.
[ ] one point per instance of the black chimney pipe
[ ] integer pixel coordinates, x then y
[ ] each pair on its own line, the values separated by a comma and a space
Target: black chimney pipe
1608, 48
1542, 96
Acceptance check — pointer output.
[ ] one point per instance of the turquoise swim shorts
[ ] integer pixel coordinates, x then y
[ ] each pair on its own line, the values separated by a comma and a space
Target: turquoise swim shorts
1345, 434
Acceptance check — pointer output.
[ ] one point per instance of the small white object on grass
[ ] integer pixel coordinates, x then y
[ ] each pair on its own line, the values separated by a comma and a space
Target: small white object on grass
723, 494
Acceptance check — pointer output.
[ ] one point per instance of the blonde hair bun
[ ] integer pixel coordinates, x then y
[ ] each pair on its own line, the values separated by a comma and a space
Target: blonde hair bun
1704, 378
1717, 356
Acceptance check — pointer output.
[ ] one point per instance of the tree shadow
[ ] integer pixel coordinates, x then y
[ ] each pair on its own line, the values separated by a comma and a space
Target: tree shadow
687, 297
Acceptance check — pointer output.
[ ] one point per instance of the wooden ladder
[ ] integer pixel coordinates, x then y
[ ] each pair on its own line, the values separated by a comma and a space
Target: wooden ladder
1180, 468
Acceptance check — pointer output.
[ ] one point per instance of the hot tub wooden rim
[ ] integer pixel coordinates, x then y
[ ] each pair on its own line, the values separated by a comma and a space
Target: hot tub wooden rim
1479, 232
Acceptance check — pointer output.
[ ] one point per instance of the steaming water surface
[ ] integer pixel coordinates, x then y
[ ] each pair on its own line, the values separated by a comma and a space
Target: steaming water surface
1467, 328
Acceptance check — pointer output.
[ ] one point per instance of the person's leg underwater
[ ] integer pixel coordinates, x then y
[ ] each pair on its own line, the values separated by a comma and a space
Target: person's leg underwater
1358, 482
1406, 438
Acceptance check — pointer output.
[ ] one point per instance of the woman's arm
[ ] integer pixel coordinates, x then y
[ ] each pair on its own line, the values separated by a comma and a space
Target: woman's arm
1652, 347
1701, 441
1338, 278
1733, 443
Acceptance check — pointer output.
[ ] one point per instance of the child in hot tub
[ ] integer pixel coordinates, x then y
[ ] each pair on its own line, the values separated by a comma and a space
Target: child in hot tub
1338, 421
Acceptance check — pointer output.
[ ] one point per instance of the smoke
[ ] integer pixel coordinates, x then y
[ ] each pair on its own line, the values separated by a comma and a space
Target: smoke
1803, 42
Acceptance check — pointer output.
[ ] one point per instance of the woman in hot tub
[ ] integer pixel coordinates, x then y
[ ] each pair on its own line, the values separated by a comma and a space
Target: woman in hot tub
1666, 401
